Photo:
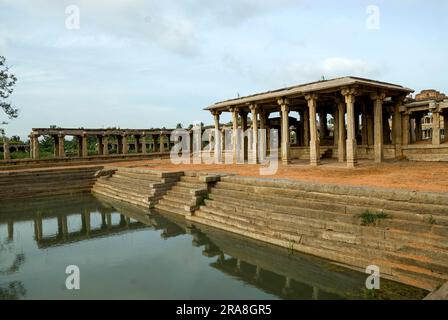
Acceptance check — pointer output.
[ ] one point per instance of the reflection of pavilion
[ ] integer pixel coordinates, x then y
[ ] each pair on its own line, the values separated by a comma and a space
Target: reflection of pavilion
266, 267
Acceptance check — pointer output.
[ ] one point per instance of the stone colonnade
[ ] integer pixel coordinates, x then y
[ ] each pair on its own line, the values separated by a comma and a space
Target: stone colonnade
116, 141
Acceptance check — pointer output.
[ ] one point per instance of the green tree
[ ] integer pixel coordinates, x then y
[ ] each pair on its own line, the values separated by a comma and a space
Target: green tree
7, 83
179, 126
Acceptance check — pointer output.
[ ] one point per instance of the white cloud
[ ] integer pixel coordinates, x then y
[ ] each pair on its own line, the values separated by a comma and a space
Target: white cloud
334, 67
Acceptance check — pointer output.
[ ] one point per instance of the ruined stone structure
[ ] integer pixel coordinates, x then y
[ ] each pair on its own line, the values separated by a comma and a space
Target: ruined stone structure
369, 120
158, 142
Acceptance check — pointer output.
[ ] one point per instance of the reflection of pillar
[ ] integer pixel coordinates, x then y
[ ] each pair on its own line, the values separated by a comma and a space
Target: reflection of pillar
314, 142
315, 295
85, 220
38, 227
109, 220
257, 276
62, 226
103, 221
10, 230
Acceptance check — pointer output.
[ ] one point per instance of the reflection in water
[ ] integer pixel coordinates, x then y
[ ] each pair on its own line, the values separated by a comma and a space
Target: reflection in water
118, 253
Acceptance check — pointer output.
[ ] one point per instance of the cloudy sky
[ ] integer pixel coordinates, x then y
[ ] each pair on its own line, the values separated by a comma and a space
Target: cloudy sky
155, 63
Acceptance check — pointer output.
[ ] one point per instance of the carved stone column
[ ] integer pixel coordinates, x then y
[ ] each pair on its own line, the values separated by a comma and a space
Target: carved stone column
378, 126
314, 141
350, 97
285, 143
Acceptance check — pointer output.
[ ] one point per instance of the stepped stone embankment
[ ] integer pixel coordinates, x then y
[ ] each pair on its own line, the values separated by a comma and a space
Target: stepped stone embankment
404, 233
137, 186
49, 182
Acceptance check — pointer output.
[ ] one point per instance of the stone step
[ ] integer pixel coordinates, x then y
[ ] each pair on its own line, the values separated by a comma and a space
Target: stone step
273, 193
361, 235
108, 194
119, 190
192, 185
166, 208
399, 196
183, 202
256, 202
126, 186
341, 248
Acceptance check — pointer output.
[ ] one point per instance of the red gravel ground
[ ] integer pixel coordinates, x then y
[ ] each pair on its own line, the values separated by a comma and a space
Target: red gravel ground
416, 176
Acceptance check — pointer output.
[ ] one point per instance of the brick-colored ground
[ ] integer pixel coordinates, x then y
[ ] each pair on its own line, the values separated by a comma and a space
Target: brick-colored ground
418, 176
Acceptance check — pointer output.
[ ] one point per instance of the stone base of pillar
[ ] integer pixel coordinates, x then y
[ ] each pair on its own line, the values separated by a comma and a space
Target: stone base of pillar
314, 153
351, 153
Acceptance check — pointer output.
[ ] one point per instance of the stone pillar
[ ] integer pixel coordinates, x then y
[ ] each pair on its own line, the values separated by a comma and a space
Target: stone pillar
162, 142
138, 143
314, 142
350, 97
322, 124
264, 142
6, 153
435, 124
125, 145
234, 112
364, 134
143, 143
105, 144
85, 145
218, 140
61, 145
36, 150
306, 128
55, 146
335, 127
100, 147
285, 144
418, 127
397, 130
79, 151
254, 112
406, 119
445, 124
378, 126
341, 134
244, 143
30, 137
370, 134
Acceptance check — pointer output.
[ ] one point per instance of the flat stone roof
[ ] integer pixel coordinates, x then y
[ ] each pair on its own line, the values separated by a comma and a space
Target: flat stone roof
311, 87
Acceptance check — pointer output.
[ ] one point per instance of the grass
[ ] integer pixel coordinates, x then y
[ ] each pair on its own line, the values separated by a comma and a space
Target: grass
371, 218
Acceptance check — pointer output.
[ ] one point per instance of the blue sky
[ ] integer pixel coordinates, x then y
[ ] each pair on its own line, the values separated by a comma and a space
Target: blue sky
157, 63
